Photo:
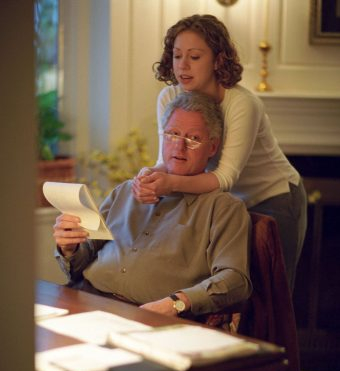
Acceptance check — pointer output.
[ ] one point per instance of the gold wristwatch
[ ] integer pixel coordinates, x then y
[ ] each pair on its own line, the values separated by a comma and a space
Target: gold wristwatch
179, 304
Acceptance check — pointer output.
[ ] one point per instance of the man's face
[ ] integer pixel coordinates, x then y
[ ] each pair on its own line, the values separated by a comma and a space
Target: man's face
178, 158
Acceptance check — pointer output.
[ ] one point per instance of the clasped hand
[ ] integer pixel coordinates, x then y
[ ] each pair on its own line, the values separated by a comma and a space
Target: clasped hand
149, 185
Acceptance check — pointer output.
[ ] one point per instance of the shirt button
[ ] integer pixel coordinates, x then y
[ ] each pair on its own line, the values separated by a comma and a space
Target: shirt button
123, 270
146, 233
134, 249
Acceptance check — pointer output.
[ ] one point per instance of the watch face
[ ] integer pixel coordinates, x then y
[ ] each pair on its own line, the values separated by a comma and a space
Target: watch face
179, 305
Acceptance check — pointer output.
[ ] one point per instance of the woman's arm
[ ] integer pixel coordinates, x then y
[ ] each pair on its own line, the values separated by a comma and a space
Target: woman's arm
242, 116
243, 113
149, 188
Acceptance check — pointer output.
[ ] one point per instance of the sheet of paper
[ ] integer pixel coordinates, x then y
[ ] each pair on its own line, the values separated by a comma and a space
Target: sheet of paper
43, 312
76, 199
70, 198
188, 339
181, 346
91, 327
83, 357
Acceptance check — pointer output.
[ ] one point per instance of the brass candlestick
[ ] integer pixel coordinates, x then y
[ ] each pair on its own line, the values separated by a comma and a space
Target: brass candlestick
264, 47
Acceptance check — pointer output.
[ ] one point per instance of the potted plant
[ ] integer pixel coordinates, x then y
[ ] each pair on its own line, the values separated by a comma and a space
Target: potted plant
51, 165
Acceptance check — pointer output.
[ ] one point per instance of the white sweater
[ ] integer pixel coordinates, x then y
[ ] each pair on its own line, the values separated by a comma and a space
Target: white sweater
251, 164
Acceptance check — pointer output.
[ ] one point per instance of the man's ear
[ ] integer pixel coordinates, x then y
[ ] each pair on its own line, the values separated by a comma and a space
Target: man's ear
214, 145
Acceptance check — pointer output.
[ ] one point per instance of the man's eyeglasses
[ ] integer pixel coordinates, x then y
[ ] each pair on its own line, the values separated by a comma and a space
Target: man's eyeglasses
189, 143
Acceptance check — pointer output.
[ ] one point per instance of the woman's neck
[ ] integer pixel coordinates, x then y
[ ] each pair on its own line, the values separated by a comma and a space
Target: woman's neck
217, 92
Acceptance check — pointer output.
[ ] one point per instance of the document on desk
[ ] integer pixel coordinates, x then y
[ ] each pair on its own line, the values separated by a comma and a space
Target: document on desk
43, 312
182, 346
75, 199
83, 357
91, 327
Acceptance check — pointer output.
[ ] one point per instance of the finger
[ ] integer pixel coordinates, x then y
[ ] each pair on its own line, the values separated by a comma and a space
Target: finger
145, 171
66, 225
147, 179
70, 233
148, 199
143, 191
68, 217
69, 242
66, 237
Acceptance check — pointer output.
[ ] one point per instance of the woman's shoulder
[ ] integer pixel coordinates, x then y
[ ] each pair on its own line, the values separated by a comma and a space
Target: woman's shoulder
169, 92
242, 98
241, 92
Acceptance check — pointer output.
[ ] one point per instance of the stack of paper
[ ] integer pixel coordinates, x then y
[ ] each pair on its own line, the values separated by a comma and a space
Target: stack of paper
182, 346
83, 357
91, 327
177, 347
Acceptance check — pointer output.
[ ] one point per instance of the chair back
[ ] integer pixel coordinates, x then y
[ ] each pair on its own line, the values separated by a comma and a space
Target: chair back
269, 314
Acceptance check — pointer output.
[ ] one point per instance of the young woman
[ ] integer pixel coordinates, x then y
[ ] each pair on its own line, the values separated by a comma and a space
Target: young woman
199, 56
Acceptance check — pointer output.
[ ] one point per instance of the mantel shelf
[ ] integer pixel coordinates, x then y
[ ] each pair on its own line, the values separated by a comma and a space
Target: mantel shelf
293, 94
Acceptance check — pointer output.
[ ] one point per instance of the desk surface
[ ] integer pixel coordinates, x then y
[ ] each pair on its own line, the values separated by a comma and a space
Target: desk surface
78, 301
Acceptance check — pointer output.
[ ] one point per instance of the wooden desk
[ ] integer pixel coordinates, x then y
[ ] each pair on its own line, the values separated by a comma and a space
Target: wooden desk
77, 301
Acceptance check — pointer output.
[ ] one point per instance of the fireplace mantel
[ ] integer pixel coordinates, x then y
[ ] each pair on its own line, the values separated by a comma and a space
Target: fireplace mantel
305, 123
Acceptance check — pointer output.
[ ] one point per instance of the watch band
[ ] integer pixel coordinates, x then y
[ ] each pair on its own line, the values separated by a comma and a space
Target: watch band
179, 305
174, 297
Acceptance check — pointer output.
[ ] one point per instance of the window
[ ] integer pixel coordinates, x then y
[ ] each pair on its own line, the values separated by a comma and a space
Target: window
47, 39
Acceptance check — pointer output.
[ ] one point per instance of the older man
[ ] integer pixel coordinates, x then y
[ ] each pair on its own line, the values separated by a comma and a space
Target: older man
187, 253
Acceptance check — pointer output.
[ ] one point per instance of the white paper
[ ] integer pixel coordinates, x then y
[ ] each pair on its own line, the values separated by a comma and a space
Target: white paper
75, 199
188, 339
92, 327
43, 312
83, 357
180, 346
67, 197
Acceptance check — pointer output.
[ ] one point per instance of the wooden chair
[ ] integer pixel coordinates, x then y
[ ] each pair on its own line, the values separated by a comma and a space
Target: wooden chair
268, 314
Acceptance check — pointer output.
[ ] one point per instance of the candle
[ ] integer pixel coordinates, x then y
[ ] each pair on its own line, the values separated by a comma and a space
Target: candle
265, 19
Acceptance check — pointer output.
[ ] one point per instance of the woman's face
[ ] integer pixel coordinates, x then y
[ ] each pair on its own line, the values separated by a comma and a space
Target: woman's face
194, 63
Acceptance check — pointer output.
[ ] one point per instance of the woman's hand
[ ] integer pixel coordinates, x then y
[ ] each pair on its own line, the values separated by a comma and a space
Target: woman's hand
68, 233
145, 171
141, 192
148, 188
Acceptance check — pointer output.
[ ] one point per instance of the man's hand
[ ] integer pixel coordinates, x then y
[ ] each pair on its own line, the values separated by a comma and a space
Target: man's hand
148, 188
166, 305
68, 233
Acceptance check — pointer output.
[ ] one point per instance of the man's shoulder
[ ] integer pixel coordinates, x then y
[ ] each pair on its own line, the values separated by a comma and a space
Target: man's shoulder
223, 196
122, 189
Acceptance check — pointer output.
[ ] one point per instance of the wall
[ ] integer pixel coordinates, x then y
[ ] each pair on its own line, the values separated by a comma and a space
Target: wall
110, 47
17, 129
46, 265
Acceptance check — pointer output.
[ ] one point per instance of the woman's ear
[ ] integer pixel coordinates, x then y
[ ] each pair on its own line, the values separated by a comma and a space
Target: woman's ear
218, 61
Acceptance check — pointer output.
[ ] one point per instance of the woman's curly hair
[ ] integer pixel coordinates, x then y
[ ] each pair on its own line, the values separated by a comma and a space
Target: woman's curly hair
217, 37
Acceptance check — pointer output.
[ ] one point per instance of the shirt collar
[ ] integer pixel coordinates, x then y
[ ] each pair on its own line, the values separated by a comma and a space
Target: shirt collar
188, 197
